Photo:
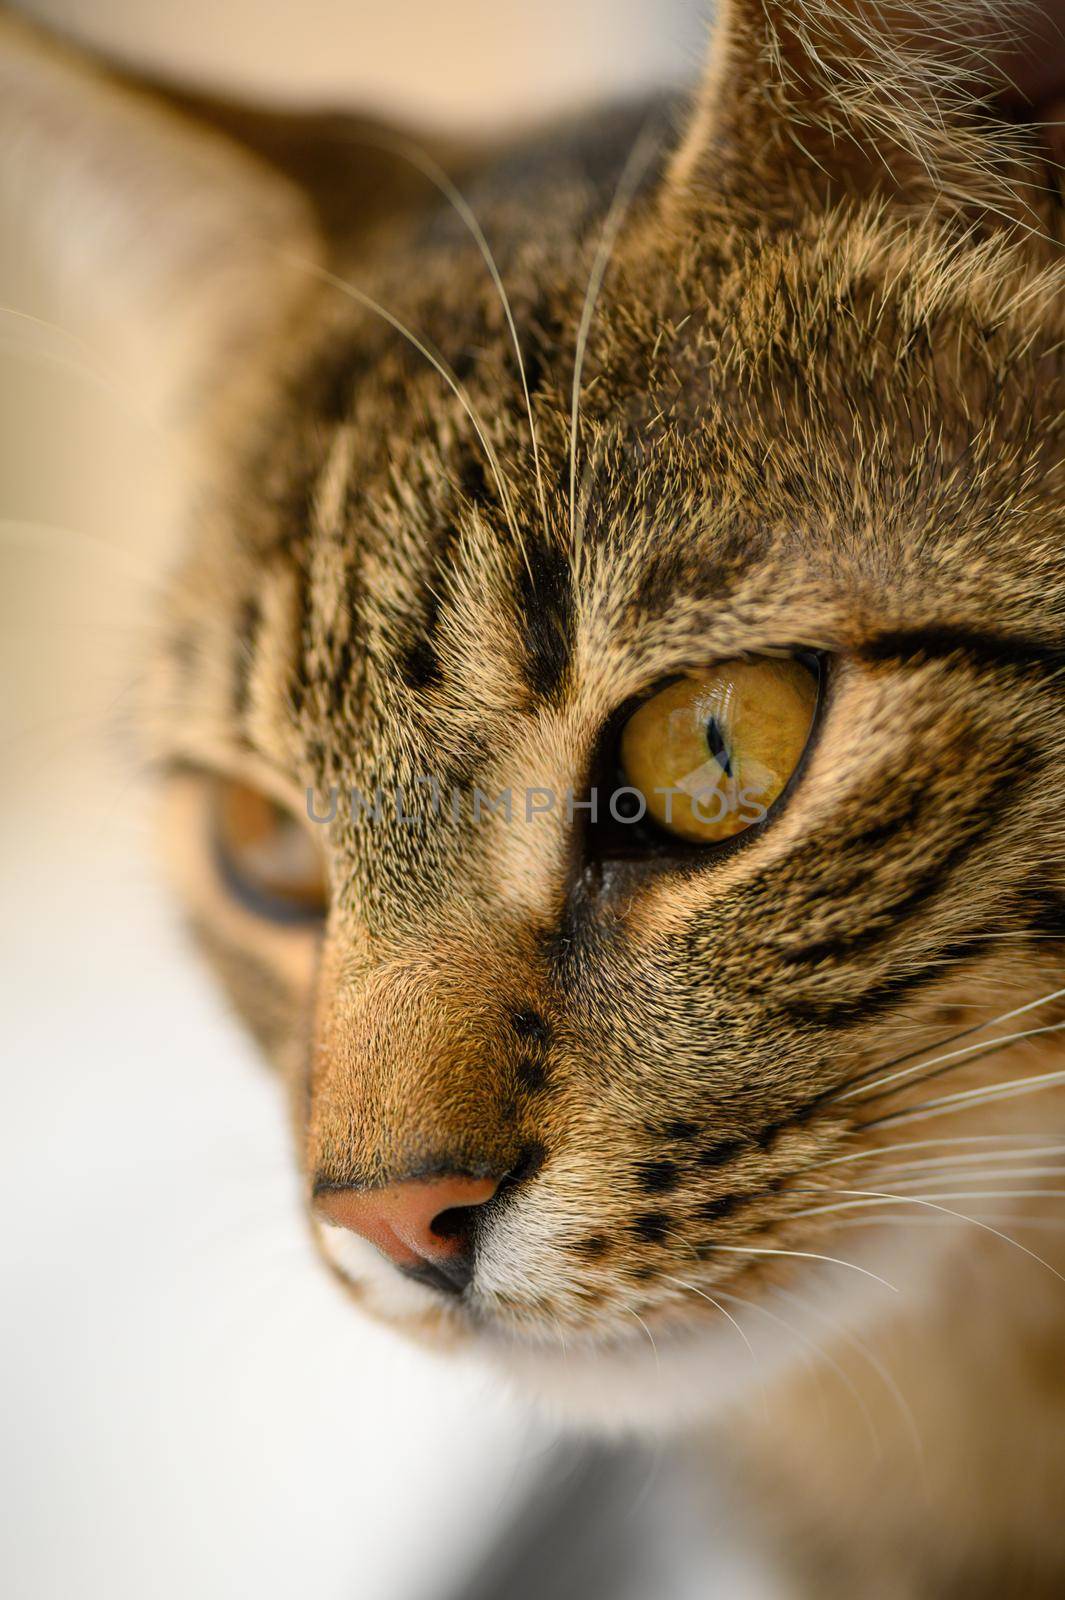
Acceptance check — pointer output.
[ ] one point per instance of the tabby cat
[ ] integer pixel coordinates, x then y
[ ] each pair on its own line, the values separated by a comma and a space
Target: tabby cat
608, 715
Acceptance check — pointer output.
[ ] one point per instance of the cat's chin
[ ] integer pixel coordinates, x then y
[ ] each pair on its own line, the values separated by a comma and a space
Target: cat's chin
691, 1375
609, 1385
668, 1372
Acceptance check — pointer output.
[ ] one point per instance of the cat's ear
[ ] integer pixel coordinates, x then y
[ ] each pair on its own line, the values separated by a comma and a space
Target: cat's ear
805, 99
180, 253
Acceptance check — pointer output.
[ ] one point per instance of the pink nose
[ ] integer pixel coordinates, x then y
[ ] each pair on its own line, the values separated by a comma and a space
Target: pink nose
410, 1223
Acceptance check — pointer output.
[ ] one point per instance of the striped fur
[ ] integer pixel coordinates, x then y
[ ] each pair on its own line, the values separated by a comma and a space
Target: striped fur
821, 407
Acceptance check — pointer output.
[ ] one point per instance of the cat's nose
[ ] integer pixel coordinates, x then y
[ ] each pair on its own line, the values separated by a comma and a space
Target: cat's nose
425, 1227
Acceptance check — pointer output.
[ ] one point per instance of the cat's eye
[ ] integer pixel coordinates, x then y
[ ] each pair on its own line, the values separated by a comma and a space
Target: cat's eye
712, 752
270, 859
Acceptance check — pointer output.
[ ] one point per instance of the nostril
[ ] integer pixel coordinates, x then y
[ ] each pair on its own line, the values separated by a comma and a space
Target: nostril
425, 1226
456, 1224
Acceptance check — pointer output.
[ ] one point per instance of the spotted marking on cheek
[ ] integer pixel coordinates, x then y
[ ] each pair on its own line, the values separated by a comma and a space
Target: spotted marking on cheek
592, 1248
529, 1163
658, 1177
680, 1128
717, 1155
530, 1025
531, 1074
652, 1227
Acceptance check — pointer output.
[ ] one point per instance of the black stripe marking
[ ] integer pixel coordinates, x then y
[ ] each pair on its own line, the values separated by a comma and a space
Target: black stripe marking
717, 1155
886, 919
420, 663
297, 689
531, 1074
652, 1227
529, 1024
678, 1128
421, 666
345, 658
1046, 909
874, 1000
545, 611
248, 624
979, 647
657, 1177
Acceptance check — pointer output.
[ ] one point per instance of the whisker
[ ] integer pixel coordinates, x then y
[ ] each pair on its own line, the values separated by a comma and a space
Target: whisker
819, 1354
562, 1340
694, 1289
93, 367
438, 363
649, 1334
966, 1098
692, 1251
851, 1224
435, 173
946, 1194
920, 1200
872, 1361
953, 1056
591, 467
926, 1144
989, 1177
1040, 1224
803, 1255
963, 1033
1018, 1158
20, 528
628, 183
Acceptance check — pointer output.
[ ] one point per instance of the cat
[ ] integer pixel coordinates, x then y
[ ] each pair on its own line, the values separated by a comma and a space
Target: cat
718, 439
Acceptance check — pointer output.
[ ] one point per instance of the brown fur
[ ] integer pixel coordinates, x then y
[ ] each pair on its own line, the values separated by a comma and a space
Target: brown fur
821, 408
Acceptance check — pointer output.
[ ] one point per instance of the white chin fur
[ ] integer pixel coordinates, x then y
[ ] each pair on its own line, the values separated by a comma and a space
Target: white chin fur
666, 1376
689, 1375
699, 1370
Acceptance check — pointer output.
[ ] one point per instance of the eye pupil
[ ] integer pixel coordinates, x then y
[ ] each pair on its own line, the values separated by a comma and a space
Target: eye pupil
718, 746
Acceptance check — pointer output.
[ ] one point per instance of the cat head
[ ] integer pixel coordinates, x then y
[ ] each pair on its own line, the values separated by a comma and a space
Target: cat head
608, 706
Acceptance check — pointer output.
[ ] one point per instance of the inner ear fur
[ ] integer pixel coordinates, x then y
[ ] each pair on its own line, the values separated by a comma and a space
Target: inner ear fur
804, 101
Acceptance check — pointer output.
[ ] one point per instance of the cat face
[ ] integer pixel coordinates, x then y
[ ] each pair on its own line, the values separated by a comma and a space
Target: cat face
780, 433
813, 447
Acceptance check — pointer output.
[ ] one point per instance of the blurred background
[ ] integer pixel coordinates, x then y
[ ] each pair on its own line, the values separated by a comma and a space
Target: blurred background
190, 1407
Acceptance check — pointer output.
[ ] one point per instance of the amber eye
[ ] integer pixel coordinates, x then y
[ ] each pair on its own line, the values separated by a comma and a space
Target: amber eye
270, 859
712, 752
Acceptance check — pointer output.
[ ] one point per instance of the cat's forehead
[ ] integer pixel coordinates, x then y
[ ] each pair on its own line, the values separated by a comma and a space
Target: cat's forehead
779, 441
739, 437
